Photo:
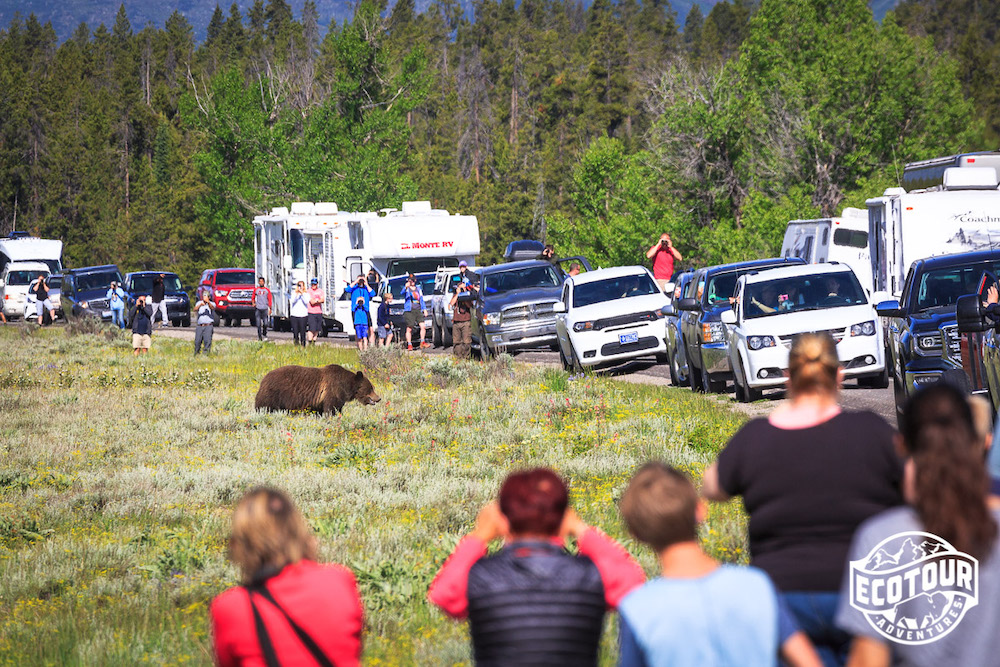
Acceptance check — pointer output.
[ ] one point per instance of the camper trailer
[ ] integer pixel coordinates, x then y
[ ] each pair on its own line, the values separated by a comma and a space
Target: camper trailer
320, 241
960, 215
842, 239
21, 247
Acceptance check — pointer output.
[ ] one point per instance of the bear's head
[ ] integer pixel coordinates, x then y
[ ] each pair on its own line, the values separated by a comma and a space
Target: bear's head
364, 392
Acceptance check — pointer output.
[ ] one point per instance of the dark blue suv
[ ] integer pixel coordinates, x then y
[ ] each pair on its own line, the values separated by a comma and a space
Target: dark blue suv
923, 340
84, 291
178, 302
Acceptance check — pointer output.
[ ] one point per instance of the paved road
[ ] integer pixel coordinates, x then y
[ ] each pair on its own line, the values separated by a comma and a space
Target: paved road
643, 371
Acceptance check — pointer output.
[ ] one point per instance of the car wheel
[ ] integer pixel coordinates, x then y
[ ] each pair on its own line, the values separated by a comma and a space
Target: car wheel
186, 322
215, 319
663, 357
696, 383
446, 338
436, 334
710, 386
564, 361
253, 320
675, 372
744, 392
227, 321
880, 381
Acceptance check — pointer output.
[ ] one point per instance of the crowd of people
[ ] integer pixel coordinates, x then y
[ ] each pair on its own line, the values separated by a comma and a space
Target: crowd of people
822, 487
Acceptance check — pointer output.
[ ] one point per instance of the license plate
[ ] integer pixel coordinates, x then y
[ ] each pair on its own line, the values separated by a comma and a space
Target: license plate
105, 313
630, 337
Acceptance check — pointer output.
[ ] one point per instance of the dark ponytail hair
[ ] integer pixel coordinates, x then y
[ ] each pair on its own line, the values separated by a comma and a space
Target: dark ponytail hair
951, 482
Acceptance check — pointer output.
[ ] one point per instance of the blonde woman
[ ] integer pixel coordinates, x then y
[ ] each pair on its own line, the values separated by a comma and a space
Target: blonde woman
290, 610
809, 474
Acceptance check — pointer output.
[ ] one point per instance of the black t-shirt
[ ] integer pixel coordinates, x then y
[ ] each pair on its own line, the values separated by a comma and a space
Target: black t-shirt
158, 290
806, 490
41, 292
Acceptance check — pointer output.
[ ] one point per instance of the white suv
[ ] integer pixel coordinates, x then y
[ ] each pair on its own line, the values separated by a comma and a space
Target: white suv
773, 306
14, 283
609, 316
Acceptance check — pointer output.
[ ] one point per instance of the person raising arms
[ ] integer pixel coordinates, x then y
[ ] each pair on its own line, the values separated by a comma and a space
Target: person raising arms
663, 253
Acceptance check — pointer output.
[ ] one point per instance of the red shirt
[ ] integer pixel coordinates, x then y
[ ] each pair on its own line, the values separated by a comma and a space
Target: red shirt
663, 264
322, 599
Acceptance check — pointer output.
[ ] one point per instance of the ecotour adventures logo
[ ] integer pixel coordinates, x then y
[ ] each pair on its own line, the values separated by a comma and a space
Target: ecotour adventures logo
914, 587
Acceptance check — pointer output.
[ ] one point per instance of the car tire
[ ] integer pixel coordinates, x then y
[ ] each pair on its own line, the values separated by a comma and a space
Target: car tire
253, 320
215, 319
744, 392
446, 337
227, 321
566, 366
675, 372
436, 334
695, 375
876, 381
186, 322
710, 386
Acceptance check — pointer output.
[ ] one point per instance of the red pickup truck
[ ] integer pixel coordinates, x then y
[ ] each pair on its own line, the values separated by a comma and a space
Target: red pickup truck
232, 292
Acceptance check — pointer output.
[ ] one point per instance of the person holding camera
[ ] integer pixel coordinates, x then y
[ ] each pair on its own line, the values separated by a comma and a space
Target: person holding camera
116, 303
262, 303
141, 317
316, 298
461, 320
204, 323
663, 253
413, 311
298, 313
40, 289
160, 300
361, 295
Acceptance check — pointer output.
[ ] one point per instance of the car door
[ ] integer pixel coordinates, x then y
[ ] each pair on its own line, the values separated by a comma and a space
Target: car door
692, 319
562, 322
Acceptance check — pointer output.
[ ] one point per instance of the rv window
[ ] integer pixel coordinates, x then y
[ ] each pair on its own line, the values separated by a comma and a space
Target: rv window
826, 236
806, 252
298, 250
852, 238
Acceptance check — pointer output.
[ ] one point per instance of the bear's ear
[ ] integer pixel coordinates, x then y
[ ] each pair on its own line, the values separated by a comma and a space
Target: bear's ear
359, 375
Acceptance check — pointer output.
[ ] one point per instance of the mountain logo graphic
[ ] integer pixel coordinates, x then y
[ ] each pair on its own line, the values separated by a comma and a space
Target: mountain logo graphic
914, 587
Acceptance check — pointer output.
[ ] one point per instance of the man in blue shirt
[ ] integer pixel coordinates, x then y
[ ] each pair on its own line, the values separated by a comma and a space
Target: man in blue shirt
698, 612
361, 290
116, 303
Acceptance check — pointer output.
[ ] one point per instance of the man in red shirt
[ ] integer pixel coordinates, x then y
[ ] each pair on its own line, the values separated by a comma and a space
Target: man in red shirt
663, 253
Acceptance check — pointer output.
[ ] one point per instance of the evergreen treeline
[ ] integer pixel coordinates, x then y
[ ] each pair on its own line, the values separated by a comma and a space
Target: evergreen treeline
592, 127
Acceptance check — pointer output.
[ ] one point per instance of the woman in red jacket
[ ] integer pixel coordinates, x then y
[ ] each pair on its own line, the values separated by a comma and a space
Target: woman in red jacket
290, 610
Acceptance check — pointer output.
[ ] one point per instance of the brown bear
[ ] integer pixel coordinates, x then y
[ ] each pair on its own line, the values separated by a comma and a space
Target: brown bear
324, 389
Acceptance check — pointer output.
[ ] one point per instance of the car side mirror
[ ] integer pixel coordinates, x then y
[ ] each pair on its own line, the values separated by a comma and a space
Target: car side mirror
728, 317
2, 282
376, 299
559, 307
668, 310
668, 288
688, 304
970, 313
889, 308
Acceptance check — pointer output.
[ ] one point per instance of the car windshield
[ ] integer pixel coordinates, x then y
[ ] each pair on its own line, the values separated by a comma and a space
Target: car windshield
144, 284
425, 283
54, 282
21, 277
527, 277
942, 287
798, 293
610, 289
235, 278
97, 280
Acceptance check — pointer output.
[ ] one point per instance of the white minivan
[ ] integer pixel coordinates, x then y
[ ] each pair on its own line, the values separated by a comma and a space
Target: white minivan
774, 306
14, 283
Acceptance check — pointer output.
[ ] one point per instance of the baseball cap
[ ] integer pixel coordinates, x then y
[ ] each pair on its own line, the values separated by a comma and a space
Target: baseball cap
314, 281
462, 263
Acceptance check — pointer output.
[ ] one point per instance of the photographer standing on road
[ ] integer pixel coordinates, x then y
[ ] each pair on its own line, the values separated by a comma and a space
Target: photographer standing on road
41, 291
361, 295
141, 317
298, 313
262, 303
663, 254
413, 311
205, 323
461, 308
316, 299
116, 302
160, 300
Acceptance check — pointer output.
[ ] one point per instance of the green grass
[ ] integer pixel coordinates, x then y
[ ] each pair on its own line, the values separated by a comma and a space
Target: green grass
118, 476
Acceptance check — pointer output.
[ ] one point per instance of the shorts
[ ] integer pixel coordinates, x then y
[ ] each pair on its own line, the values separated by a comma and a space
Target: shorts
383, 333
413, 318
361, 330
315, 322
141, 341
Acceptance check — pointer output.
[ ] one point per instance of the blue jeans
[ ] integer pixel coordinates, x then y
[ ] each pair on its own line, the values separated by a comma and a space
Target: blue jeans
814, 611
118, 317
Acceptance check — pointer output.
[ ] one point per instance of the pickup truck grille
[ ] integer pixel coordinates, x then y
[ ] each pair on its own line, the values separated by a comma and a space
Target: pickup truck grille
527, 313
240, 294
622, 320
836, 334
953, 342
96, 304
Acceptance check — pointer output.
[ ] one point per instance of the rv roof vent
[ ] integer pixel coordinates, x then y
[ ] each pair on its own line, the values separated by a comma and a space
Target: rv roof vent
325, 208
302, 208
851, 212
894, 192
416, 207
970, 178
279, 211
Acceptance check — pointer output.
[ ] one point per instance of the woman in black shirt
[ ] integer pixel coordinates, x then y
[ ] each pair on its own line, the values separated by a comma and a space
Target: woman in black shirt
809, 474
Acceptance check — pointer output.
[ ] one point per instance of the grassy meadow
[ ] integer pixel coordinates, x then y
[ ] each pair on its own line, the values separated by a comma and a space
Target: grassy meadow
118, 476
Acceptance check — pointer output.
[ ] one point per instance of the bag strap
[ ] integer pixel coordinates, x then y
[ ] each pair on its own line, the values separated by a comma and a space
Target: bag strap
267, 647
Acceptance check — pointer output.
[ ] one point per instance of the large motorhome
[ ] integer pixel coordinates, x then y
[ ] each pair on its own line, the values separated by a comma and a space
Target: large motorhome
20, 247
962, 214
320, 241
842, 239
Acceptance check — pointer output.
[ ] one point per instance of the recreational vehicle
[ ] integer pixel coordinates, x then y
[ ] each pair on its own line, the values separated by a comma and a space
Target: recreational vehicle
319, 241
842, 239
20, 247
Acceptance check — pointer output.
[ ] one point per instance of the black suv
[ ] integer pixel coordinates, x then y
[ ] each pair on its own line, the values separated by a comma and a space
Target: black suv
703, 333
84, 292
924, 344
138, 283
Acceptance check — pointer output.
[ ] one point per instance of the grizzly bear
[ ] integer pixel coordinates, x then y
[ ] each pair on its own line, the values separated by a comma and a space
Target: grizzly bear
323, 390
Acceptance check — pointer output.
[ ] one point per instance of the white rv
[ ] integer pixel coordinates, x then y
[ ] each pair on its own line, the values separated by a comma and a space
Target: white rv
960, 215
842, 239
19, 247
319, 241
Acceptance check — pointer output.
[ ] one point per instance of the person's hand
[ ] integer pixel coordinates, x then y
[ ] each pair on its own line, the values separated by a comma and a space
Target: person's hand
992, 294
572, 525
491, 523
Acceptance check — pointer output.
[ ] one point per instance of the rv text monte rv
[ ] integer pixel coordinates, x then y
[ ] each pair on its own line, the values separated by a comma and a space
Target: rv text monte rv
335, 247
960, 215
842, 239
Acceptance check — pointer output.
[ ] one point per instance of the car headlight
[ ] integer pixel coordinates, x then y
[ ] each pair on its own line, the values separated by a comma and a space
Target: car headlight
712, 332
864, 329
760, 342
491, 318
583, 326
84, 304
929, 342
219, 292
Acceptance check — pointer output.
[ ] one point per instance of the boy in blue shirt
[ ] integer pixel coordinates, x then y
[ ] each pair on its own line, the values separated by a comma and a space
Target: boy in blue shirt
361, 320
699, 612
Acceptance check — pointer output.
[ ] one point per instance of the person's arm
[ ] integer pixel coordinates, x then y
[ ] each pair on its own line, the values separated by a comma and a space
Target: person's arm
450, 587
675, 252
710, 486
454, 300
868, 652
651, 253
620, 572
629, 652
222, 642
798, 651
